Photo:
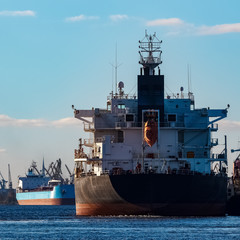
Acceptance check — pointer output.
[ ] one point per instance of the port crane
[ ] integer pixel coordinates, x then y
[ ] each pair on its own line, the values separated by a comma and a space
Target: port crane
54, 170
2, 181
235, 150
9, 178
71, 175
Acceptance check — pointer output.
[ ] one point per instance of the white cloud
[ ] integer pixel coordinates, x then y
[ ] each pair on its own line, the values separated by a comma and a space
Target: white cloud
118, 17
165, 22
6, 121
178, 26
18, 13
219, 29
66, 122
2, 150
81, 18
228, 125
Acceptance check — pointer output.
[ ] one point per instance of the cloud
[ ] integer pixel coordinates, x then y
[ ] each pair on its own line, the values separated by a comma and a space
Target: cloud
81, 18
6, 121
229, 125
18, 13
165, 22
219, 29
66, 122
178, 26
118, 17
2, 150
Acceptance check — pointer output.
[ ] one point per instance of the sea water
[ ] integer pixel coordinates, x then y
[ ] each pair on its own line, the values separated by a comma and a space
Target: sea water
61, 222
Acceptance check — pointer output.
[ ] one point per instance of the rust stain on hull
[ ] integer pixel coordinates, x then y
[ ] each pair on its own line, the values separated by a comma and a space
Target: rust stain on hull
109, 209
185, 209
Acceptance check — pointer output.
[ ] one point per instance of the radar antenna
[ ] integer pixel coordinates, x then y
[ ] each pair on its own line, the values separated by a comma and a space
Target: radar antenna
148, 46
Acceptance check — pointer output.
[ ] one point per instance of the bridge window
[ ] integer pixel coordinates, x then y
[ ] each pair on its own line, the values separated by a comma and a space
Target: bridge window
121, 106
172, 118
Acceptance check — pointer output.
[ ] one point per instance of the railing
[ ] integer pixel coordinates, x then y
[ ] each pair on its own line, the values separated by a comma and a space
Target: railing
88, 142
139, 124
100, 139
214, 127
144, 60
88, 126
123, 124
214, 142
219, 157
120, 96
150, 171
180, 96
105, 172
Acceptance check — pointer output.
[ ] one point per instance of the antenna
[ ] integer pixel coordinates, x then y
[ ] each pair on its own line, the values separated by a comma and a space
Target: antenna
116, 67
189, 79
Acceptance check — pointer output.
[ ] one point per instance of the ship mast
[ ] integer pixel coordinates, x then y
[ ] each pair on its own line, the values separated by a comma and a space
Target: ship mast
149, 46
150, 98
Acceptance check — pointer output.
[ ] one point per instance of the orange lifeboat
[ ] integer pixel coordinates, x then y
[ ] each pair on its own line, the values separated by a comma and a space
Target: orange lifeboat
150, 132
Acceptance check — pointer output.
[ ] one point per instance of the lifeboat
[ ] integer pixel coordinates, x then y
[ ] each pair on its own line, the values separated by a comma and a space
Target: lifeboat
150, 132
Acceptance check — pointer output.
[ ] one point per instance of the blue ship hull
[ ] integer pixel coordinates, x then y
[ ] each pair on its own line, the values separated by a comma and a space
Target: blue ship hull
59, 195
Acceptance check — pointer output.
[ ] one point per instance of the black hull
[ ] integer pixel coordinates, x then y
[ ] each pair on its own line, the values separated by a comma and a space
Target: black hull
233, 206
157, 194
8, 197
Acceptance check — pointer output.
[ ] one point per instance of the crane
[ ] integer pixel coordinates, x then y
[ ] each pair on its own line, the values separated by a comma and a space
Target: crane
71, 175
2, 182
235, 150
9, 178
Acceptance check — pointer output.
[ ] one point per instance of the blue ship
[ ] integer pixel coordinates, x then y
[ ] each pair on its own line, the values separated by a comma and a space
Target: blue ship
39, 189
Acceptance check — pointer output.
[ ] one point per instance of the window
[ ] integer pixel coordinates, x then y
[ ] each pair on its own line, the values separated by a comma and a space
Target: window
120, 136
129, 117
172, 118
121, 106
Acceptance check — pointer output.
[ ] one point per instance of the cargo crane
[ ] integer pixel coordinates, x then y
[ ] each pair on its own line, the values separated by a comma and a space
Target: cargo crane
9, 178
47, 172
34, 166
54, 170
235, 150
2, 182
71, 175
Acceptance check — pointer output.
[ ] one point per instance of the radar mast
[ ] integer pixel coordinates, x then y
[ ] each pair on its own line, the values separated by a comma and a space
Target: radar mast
150, 46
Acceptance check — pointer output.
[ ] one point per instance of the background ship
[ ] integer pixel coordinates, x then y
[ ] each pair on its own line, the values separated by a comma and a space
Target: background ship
150, 154
233, 204
7, 195
38, 188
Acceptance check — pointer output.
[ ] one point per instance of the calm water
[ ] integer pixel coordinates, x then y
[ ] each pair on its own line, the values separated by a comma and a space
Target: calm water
60, 222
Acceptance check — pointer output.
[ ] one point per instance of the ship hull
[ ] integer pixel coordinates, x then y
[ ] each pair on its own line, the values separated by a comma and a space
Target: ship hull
60, 195
8, 197
156, 194
233, 205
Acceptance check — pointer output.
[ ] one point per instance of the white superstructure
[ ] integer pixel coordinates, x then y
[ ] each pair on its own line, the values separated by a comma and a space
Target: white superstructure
184, 139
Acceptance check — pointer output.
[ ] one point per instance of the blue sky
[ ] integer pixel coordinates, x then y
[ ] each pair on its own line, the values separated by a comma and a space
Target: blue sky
57, 53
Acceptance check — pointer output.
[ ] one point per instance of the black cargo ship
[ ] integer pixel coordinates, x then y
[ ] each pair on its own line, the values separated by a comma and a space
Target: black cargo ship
151, 153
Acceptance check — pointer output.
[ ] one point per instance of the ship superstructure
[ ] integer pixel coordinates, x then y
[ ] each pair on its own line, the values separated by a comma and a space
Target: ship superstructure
147, 140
